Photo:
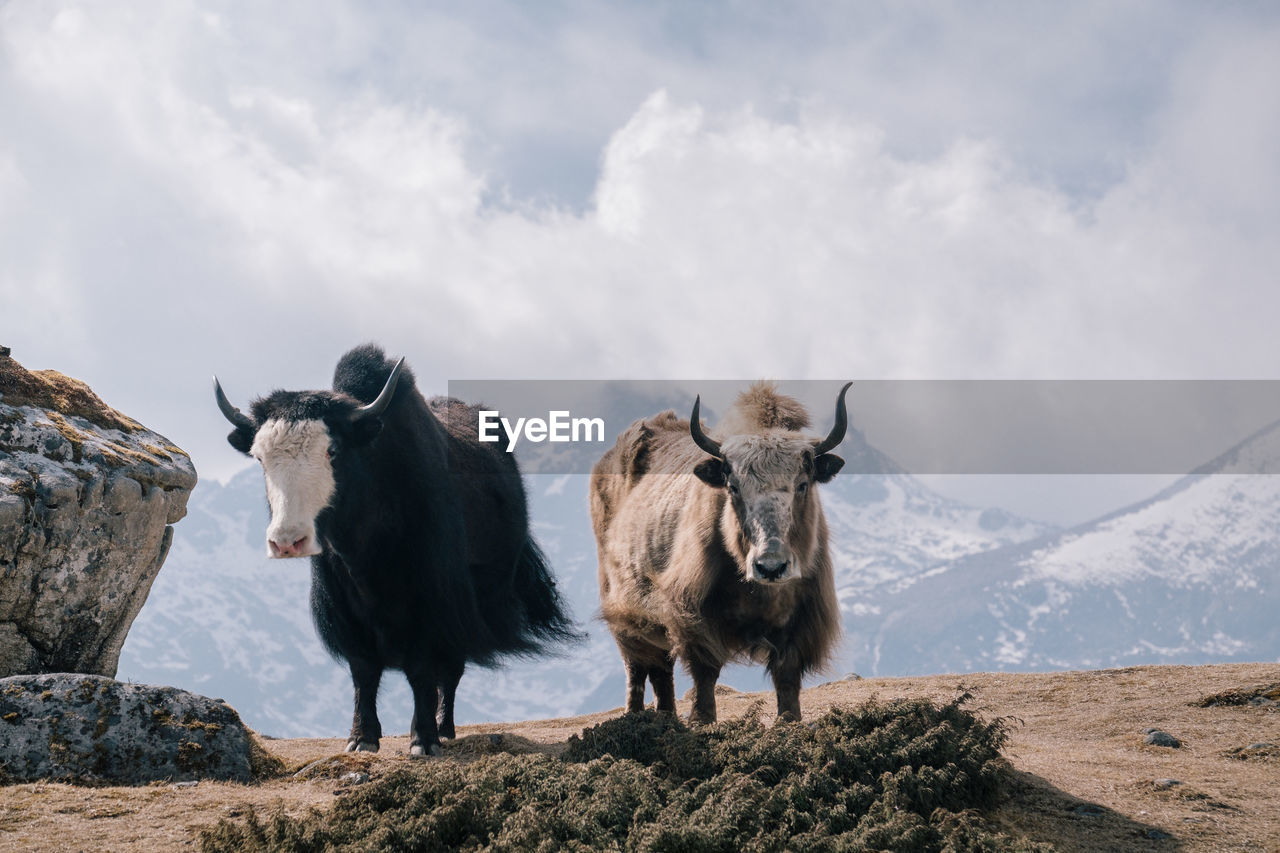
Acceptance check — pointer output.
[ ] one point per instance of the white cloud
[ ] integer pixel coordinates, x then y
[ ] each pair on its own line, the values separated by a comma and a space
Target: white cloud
197, 192
12, 183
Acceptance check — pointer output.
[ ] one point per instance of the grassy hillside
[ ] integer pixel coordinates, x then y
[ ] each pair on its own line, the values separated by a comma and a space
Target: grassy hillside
1029, 761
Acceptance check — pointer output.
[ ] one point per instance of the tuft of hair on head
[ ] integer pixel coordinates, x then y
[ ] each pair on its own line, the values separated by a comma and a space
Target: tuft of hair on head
761, 407
363, 371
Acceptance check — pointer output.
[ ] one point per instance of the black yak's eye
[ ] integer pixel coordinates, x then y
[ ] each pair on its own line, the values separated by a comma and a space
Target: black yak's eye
331, 451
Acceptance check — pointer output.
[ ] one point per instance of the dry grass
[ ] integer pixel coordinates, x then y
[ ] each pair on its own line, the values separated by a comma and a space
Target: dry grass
51, 390
1083, 779
907, 774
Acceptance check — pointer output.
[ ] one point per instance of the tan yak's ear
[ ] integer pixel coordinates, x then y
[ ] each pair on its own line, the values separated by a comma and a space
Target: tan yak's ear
714, 472
826, 466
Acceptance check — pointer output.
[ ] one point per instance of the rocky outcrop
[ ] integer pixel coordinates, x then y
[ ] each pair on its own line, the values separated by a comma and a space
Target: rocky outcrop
85, 728
87, 500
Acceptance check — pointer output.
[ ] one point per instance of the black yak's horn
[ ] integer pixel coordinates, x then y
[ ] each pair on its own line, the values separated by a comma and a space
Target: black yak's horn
378, 406
229, 411
699, 437
833, 439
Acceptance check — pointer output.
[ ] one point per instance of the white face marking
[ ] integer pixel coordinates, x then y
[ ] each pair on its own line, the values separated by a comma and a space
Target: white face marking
295, 460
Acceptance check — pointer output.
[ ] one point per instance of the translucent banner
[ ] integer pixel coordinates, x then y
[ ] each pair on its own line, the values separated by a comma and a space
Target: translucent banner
917, 426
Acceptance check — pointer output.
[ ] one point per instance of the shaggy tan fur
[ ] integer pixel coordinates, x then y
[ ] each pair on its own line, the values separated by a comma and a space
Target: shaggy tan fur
761, 407
674, 579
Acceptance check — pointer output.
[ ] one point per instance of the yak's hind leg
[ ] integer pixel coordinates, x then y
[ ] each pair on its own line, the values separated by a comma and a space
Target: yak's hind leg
636, 674
662, 677
449, 689
366, 731
644, 661
424, 736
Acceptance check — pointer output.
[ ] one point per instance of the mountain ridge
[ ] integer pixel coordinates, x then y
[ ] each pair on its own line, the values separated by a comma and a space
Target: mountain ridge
926, 584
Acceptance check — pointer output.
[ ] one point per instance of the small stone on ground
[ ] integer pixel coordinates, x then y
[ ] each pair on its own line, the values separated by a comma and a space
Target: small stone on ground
1155, 737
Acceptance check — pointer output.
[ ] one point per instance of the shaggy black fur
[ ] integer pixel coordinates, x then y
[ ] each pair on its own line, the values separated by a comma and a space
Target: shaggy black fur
427, 562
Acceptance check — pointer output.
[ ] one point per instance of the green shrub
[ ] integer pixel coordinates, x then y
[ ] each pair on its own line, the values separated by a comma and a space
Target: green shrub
904, 775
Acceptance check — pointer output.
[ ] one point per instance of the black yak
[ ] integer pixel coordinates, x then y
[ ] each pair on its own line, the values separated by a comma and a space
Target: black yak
421, 557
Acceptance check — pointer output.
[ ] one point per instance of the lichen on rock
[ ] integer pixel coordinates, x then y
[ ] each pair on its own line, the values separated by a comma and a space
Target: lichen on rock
90, 729
87, 500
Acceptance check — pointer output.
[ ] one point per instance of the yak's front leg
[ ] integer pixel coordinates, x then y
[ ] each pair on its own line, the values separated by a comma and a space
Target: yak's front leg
424, 735
705, 675
366, 731
786, 672
449, 689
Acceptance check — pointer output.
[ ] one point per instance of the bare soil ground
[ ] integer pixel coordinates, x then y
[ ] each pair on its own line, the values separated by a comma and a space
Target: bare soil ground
1083, 779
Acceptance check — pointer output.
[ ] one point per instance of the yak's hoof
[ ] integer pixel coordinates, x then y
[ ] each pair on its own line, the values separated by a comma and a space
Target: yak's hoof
447, 732
419, 751
361, 746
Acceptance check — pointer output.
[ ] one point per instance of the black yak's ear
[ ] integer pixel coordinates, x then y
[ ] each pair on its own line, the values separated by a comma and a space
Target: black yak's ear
826, 466
241, 439
713, 472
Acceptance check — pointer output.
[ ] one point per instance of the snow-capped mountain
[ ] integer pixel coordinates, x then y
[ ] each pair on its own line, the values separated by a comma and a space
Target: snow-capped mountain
926, 584
1187, 576
224, 620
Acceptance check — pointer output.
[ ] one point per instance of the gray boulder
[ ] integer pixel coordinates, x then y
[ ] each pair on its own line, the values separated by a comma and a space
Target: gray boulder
86, 728
87, 500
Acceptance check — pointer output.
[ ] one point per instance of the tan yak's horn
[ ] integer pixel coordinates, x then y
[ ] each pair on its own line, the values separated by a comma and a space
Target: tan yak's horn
699, 437
833, 439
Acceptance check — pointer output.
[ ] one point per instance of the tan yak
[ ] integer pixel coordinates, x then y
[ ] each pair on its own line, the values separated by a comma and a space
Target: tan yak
713, 550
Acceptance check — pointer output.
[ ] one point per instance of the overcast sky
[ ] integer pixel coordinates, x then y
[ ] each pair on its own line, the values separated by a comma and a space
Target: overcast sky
647, 190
